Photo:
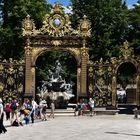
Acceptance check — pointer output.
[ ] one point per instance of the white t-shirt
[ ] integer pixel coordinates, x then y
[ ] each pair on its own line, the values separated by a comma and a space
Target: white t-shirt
1, 109
91, 103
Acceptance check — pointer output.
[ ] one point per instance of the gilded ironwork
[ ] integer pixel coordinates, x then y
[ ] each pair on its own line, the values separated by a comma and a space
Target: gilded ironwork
12, 79
56, 24
101, 79
56, 43
125, 50
1, 86
85, 27
28, 27
56, 34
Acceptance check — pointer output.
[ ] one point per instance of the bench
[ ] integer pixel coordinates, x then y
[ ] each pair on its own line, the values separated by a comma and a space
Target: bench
85, 112
101, 110
95, 111
136, 113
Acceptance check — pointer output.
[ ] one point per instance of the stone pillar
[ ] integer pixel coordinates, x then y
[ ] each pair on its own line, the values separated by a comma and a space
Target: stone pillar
28, 74
114, 91
33, 82
84, 60
78, 82
138, 90
90, 81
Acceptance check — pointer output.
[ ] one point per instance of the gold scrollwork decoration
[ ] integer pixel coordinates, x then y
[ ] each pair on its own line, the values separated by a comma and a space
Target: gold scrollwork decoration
56, 43
1, 86
84, 52
28, 27
100, 82
11, 70
90, 88
1, 67
85, 27
57, 23
100, 71
125, 50
10, 81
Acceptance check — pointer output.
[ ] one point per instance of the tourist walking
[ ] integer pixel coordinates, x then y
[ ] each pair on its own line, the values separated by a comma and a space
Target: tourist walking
2, 128
34, 107
44, 112
14, 111
7, 110
52, 109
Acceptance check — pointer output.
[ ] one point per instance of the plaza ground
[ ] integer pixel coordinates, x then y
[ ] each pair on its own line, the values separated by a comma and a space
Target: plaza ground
99, 127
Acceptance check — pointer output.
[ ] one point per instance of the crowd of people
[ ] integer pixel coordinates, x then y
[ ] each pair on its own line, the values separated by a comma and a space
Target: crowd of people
84, 106
19, 114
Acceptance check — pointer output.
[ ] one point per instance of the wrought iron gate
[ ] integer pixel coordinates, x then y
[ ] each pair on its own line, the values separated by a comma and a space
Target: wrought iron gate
11, 79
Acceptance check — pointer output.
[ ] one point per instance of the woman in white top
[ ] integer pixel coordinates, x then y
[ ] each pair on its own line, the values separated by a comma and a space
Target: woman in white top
91, 106
2, 128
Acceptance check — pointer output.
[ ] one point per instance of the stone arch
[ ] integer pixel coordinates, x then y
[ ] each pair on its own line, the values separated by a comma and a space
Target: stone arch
74, 52
53, 36
132, 61
117, 65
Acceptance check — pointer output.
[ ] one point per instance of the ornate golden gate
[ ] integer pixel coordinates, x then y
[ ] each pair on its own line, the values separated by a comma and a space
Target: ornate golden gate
11, 79
56, 34
102, 78
96, 79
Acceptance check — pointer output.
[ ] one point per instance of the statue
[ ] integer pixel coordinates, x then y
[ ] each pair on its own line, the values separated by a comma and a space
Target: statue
58, 68
50, 75
55, 86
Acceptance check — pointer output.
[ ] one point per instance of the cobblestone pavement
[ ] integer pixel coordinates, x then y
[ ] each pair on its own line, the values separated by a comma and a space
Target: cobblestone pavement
100, 127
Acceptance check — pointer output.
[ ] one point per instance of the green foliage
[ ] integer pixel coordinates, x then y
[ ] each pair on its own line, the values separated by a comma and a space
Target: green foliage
134, 27
112, 23
47, 61
13, 12
109, 25
126, 74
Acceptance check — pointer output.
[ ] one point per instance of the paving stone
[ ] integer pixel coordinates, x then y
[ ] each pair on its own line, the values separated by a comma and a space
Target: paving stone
99, 127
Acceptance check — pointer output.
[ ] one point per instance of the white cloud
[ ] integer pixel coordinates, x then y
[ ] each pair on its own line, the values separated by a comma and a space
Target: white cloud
131, 6
68, 9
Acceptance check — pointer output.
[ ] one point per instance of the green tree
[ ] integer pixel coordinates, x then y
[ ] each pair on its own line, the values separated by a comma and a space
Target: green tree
12, 14
109, 25
134, 27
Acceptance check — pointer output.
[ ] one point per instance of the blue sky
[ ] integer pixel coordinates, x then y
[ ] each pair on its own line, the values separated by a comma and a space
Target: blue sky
66, 2
131, 2
63, 2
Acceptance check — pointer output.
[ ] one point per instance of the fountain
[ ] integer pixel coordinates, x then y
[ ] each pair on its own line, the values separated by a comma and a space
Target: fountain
55, 87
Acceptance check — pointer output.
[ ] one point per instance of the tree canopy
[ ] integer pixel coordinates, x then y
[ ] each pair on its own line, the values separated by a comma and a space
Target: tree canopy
109, 24
12, 14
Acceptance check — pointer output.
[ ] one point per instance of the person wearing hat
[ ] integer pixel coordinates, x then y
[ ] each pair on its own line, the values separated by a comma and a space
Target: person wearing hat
2, 128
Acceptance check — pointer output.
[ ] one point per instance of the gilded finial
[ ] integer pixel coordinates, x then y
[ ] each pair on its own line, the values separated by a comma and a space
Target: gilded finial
28, 26
57, 8
125, 50
126, 44
85, 26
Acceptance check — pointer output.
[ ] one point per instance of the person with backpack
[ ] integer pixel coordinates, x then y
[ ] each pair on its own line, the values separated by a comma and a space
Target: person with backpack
29, 107
14, 111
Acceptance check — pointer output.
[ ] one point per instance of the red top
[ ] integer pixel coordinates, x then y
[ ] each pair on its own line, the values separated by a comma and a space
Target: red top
7, 107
